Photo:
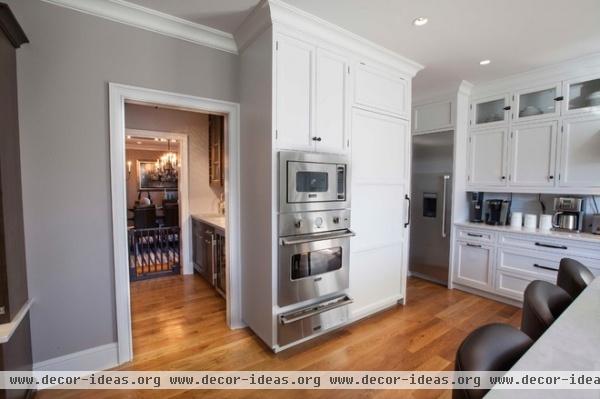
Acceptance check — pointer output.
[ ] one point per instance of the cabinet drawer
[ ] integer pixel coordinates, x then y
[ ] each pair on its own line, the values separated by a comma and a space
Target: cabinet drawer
553, 245
473, 265
476, 235
513, 285
542, 265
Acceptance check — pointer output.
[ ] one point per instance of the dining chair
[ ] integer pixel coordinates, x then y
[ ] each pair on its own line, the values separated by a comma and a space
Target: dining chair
493, 347
543, 302
144, 217
573, 276
171, 214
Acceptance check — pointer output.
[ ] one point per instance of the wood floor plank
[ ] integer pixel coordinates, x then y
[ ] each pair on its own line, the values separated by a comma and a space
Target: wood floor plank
179, 324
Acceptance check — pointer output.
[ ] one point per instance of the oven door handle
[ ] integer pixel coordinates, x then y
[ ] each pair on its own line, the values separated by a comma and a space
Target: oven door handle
295, 240
297, 316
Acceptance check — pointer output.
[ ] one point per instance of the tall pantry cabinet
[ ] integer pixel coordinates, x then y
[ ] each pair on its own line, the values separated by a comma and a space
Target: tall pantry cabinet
307, 85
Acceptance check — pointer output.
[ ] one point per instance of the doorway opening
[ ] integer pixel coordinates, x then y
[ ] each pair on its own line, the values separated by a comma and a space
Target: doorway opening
174, 162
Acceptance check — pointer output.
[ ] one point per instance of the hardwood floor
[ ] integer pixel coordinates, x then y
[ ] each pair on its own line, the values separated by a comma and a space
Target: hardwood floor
179, 324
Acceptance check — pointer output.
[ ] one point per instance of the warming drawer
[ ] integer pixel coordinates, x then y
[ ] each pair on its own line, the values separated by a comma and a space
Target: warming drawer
312, 320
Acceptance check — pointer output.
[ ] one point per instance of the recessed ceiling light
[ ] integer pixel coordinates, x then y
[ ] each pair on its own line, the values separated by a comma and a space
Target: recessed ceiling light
420, 21
484, 62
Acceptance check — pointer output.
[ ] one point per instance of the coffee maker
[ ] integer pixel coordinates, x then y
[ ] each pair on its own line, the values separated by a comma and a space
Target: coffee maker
568, 214
476, 207
496, 212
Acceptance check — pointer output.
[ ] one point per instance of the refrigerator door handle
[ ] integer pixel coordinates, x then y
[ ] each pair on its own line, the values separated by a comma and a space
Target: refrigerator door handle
446, 178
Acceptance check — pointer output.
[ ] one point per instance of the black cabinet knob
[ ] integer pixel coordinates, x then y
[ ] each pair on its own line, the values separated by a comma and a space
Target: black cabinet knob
316, 139
503, 177
550, 177
507, 108
559, 98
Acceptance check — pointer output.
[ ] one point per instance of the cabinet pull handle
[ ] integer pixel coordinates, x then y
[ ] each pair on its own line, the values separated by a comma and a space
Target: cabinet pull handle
545, 267
539, 244
316, 139
503, 178
550, 177
474, 235
507, 108
474, 245
559, 98
407, 198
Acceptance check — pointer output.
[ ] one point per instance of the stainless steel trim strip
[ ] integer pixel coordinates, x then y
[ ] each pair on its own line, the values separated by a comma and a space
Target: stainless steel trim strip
446, 178
316, 237
289, 318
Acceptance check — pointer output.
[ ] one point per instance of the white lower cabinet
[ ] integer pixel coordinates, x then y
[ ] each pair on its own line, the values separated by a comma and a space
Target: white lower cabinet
504, 263
473, 265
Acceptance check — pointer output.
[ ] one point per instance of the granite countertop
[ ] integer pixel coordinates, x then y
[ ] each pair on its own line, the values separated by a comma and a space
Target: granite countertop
215, 220
565, 235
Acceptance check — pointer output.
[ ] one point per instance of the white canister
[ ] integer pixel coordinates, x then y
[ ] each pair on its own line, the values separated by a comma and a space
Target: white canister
516, 220
530, 221
545, 222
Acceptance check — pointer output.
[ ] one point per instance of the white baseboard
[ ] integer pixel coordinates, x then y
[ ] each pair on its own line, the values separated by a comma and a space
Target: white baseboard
94, 359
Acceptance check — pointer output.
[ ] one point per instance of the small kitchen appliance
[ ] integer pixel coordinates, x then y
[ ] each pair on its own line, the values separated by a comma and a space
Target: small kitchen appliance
496, 212
568, 214
476, 207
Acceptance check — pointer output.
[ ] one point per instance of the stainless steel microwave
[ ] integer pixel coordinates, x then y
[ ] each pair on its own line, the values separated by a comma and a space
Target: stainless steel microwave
313, 182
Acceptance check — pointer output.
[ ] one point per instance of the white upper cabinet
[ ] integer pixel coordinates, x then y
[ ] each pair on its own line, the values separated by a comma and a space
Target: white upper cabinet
533, 155
294, 78
537, 103
582, 96
490, 111
580, 153
331, 104
487, 157
380, 90
433, 117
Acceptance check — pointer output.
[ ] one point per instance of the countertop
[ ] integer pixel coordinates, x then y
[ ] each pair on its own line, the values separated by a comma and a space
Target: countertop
215, 220
586, 237
570, 343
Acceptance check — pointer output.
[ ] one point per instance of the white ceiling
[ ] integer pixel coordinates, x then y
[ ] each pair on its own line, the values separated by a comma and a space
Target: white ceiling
517, 35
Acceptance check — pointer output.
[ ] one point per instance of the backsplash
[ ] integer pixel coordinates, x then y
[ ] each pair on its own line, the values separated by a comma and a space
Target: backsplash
532, 203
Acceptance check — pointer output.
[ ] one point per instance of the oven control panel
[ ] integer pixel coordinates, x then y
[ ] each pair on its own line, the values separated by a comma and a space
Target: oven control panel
291, 224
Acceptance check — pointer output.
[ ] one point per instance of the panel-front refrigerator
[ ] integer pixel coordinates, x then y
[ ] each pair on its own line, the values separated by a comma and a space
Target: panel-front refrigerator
430, 214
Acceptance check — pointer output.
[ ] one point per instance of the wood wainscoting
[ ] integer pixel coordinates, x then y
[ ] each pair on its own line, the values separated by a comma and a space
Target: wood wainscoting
179, 324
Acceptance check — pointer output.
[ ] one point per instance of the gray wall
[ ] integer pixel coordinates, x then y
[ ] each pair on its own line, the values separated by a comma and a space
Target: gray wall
63, 98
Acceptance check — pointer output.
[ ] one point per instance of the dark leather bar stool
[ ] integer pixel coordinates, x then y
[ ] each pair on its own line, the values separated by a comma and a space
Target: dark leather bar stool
543, 302
493, 347
573, 276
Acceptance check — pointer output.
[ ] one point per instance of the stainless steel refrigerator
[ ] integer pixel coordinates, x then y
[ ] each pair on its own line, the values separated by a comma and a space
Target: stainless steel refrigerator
432, 201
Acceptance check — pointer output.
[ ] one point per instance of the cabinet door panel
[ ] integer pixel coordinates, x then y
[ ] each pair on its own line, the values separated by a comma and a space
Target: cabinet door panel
581, 96
490, 111
580, 153
293, 93
487, 157
536, 103
432, 117
381, 90
473, 265
533, 155
331, 102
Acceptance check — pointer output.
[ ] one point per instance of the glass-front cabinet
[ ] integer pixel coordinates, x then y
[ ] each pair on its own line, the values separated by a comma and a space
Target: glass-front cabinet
490, 111
537, 103
582, 95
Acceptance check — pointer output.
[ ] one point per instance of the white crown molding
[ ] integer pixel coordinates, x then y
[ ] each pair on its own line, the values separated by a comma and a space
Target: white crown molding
276, 12
588, 64
145, 18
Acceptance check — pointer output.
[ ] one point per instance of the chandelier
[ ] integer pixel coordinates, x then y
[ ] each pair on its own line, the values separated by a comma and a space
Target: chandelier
165, 168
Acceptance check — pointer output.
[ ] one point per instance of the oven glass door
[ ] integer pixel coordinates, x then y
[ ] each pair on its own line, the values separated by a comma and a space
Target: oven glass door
313, 263
311, 182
